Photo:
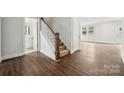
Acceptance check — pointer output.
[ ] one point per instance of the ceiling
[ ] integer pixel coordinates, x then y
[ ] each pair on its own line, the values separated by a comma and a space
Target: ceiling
89, 20
92, 20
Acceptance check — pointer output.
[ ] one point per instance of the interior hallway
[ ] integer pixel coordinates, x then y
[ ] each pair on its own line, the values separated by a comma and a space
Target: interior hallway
92, 59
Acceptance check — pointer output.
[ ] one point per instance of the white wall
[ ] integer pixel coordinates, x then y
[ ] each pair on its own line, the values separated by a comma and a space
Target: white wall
45, 47
61, 25
34, 33
12, 36
106, 32
122, 48
0, 39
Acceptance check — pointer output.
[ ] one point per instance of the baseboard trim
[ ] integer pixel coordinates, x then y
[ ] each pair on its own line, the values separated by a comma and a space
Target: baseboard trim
11, 56
102, 42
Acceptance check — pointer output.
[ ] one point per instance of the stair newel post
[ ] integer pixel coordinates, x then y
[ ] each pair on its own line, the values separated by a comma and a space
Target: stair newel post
57, 55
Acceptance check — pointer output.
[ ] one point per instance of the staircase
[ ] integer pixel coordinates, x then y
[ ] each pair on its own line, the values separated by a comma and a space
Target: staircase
62, 49
59, 46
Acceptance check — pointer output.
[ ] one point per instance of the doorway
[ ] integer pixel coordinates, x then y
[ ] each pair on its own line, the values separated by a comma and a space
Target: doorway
75, 35
31, 35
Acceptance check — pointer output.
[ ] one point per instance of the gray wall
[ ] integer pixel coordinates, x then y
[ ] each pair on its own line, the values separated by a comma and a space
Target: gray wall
122, 49
0, 39
12, 36
61, 25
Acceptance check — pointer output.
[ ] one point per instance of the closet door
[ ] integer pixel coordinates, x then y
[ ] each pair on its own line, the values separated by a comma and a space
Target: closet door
76, 35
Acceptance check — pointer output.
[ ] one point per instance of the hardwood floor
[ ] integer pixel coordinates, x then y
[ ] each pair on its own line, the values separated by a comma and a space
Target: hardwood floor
92, 59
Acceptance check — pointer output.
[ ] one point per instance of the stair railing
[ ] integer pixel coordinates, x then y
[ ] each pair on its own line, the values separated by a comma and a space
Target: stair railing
52, 37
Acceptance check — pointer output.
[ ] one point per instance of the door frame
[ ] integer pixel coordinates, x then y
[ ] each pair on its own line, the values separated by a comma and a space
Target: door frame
72, 35
38, 35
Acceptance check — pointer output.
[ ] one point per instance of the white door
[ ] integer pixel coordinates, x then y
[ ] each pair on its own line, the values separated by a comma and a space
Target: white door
34, 33
118, 32
75, 35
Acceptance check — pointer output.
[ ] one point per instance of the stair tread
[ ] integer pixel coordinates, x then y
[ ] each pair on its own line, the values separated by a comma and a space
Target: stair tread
62, 48
63, 54
64, 51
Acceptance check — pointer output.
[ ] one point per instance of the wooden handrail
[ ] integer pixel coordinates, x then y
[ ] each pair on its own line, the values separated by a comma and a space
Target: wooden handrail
47, 25
57, 53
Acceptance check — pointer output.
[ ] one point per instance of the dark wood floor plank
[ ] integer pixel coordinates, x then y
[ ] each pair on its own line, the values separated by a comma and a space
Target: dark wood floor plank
90, 60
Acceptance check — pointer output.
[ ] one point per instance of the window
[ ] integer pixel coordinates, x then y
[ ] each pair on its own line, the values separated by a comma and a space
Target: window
84, 30
88, 30
91, 30
120, 29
